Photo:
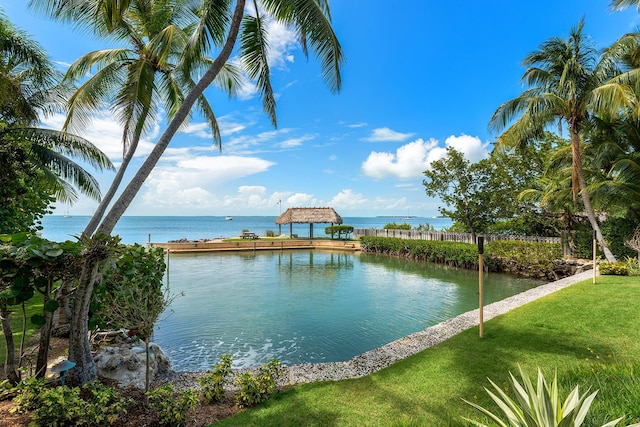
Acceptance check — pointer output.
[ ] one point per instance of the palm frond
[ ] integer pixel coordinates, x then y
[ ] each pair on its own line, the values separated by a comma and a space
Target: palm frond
312, 20
254, 48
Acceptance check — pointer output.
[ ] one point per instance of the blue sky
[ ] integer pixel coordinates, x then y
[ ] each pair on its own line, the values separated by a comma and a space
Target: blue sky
419, 75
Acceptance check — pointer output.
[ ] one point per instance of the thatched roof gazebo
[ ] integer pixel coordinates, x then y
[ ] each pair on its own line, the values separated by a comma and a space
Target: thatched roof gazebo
307, 216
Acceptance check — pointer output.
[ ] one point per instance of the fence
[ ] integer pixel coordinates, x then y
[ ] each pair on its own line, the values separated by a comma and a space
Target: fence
446, 236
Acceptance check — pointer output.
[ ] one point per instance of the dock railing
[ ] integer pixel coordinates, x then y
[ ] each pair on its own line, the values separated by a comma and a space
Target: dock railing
446, 236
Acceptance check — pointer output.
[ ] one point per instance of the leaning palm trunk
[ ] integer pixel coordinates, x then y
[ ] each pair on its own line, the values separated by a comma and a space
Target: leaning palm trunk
586, 200
79, 349
104, 203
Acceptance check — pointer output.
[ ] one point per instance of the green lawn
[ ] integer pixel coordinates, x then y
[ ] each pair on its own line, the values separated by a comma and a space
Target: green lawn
589, 333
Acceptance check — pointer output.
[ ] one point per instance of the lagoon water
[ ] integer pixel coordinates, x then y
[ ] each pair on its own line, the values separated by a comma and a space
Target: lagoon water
296, 306
309, 306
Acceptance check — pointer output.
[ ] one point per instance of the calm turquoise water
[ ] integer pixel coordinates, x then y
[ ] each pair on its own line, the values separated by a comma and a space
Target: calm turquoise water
309, 306
137, 229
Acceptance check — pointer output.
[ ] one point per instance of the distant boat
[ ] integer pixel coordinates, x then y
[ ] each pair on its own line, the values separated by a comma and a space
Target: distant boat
66, 215
228, 218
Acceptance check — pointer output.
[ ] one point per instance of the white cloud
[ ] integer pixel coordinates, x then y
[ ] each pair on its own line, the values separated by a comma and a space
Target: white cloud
471, 146
106, 134
386, 134
409, 161
294, 142
193, 181
357, 125
412, 159
347, 199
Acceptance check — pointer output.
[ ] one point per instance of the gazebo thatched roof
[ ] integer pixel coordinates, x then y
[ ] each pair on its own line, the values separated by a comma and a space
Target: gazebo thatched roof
309, 216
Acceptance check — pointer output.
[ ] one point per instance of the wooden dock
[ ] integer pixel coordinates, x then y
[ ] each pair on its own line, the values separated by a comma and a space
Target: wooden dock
259, 244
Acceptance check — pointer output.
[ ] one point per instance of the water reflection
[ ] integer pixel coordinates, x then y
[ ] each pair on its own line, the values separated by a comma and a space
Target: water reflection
309, 306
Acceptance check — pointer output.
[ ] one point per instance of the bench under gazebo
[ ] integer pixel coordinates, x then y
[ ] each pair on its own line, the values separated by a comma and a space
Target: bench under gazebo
307, 216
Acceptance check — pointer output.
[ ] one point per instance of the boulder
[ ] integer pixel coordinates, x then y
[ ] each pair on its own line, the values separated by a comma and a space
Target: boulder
125, 363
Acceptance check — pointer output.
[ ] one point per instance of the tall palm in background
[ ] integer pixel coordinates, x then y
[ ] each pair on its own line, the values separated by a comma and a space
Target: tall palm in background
561, 76
29, 91
139, 80
220, 22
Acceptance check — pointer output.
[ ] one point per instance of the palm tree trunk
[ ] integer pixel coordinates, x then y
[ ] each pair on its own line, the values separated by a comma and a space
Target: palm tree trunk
586, 200
104, 203
79, 349
117, 180
125, 199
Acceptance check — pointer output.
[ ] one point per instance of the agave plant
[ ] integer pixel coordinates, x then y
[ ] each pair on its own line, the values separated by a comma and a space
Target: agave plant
538, 407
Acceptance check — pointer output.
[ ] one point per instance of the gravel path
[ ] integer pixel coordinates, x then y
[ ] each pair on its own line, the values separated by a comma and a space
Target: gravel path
379, 358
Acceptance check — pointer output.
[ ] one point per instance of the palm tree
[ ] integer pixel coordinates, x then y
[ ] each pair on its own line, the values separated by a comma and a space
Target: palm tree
138, 79
218, 28
29, 91
561, 76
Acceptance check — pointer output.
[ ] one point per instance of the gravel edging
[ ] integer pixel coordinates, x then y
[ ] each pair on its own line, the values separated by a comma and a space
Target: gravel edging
380, 358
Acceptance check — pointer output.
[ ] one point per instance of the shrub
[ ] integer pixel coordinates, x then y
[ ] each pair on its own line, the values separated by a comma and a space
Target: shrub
632, 266
256, 388
29, 393
172, 406
270, 233
394, 226
339, 230
213, 382
541, 407
62, 406
614, 268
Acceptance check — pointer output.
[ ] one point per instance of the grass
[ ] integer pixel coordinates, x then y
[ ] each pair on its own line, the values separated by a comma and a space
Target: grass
33, 306
589, 334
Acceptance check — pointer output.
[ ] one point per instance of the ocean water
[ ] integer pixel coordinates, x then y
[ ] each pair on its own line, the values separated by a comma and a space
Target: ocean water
142, 229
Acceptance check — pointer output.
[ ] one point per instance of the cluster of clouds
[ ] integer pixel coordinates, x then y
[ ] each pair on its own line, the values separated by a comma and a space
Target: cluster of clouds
412, 159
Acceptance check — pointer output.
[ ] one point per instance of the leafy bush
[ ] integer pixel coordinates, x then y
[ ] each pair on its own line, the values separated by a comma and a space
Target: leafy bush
525, 257
29, 392
213, 382
633, 266
270, 233
94, 404
171, 405
614, 268
394, 226
532, 258
541, 407
339, 230
256, 388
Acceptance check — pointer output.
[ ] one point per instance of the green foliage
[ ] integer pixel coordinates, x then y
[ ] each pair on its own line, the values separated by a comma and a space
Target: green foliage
617, 231
171, 405
394, 226
340, 230
256, 388
131, 295
524, 256
500, 255
25, 197
633, 266
213, 382
29, 392
539, 406
617, 268
94, 404
465, 189
425, 227
451, 253
270, 233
